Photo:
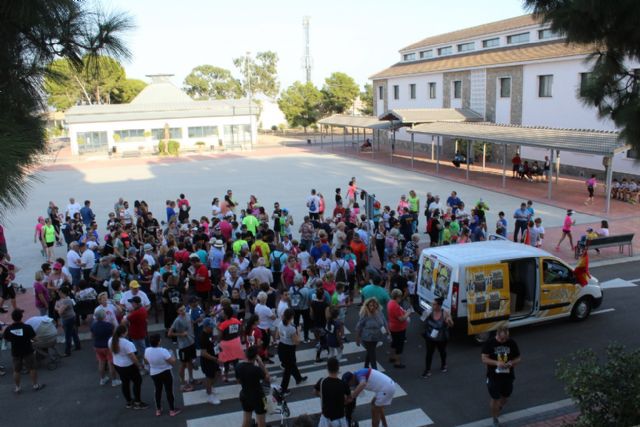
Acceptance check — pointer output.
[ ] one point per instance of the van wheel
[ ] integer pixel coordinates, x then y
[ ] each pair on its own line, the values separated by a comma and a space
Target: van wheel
482, 338
581, 309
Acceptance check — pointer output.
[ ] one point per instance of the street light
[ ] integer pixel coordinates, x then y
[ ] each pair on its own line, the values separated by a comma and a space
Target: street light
248, 77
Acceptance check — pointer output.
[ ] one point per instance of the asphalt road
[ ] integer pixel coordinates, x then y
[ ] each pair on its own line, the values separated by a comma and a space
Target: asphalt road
72, 395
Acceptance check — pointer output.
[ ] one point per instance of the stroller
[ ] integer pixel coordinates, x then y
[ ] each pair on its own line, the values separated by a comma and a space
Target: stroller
276, 404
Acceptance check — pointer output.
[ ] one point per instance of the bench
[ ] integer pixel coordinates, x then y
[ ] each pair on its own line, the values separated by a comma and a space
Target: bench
620, 241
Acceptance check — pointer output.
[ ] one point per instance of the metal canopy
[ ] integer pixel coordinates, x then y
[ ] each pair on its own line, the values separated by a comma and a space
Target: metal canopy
411, 116
342, 120
573, 140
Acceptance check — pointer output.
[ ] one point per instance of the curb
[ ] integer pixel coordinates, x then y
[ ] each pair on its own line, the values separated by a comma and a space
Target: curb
535, 411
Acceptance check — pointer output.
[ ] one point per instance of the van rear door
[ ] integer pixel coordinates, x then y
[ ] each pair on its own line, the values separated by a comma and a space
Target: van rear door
487, 289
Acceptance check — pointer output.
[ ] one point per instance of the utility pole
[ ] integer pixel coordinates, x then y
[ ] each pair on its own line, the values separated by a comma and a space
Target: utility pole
306, 59
249, 90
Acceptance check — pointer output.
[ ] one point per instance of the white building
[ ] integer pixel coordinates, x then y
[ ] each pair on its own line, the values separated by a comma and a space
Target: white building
513, 71
161, 108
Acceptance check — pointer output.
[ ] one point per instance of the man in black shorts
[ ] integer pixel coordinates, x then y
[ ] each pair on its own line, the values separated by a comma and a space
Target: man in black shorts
209, 359
20, 336
334, 393
501, 355
250, 374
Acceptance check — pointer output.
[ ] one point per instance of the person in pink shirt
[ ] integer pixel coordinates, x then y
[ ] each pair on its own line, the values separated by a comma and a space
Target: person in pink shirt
37, 235
591, 188
351, 192
566, 229
42, 294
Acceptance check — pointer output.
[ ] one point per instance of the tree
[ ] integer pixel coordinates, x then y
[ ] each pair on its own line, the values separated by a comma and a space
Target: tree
606, 391
33, 33
339, 91
366, 97
211, 82
99, 80
260, 75
301, 104
612, 28
127, 90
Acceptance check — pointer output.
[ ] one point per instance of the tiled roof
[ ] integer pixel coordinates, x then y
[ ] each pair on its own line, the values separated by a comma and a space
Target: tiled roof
493, 57
428, 115
467, 33
574, 140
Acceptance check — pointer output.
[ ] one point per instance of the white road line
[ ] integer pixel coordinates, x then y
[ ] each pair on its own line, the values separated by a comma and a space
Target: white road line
297, 408
411, 418
606, 310
231, 391
302, 356
617, 283
635, 280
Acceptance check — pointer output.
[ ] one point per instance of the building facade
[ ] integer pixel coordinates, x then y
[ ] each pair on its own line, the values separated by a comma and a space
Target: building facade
514, 71
161, 110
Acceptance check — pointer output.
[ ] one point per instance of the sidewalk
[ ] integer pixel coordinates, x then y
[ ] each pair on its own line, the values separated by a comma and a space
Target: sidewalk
554, 414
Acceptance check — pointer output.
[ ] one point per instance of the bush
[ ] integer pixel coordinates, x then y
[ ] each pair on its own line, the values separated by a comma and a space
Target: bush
274, 128
162, 146
201, 143
606, 391
173, 147
147, 134
116, 137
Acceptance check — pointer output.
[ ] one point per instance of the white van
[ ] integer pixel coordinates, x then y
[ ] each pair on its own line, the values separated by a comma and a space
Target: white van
489, 283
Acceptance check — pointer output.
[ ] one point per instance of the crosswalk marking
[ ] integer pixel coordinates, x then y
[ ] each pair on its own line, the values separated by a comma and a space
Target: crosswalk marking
617, 283
411, 418
231, 391
300, 407
302, 356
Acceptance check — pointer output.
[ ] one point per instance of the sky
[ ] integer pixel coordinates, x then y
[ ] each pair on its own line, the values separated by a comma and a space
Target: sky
357, 37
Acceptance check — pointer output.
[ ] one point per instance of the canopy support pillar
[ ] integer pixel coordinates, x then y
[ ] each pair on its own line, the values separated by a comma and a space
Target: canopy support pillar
433, 146
468, 157
609, 166
504, 165
557, 165
484, 155
412, 148
550, 183
438, 155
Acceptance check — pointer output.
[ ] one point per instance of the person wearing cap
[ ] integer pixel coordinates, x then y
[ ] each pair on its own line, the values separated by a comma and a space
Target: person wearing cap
20, 335
134, 290
208, 359
215, 257
136, 321
376, 382
149, 255
566, 229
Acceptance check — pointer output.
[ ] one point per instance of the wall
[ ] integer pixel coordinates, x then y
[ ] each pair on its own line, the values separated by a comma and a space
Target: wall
422, 92
504, 110
447, 85
148, 143
380, 105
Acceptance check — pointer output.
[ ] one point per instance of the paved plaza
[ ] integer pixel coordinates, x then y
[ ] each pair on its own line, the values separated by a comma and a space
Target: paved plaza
286, 175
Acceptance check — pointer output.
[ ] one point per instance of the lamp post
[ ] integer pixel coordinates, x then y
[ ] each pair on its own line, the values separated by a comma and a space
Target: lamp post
248, 77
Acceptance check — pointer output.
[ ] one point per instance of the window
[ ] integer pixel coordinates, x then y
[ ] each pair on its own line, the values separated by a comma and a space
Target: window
380, 92
129, 134
445, 51
92, 141
457, 89
505, 87
237, 133
495, 42
584, 82
466, 47
518, 38
544, 86
425, 54
412, 91
409, 56
203, 131
555, 272
396, 92
432, 90
545, 34
174, 133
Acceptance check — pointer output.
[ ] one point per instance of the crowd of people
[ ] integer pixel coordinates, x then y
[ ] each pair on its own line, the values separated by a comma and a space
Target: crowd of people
235, 288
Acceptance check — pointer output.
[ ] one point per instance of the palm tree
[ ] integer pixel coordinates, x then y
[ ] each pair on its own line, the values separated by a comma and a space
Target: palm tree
32, 34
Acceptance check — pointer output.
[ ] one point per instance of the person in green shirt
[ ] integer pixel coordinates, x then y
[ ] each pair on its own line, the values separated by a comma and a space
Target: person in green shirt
446, 234
454, 227
251, 222
239, 243
376, 290
49, 238
414, 208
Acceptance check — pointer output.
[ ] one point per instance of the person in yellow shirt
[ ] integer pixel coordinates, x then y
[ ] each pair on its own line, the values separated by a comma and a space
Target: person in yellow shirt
262, 249
251, 222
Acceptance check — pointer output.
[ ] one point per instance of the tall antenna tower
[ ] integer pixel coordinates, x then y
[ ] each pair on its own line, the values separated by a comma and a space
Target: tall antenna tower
306, 59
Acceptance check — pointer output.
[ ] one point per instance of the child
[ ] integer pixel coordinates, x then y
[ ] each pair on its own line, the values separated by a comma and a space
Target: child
197, 317
501, 225
339, 300
328, 282
335, 333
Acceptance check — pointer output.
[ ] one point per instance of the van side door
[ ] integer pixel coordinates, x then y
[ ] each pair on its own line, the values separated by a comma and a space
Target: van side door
488, 298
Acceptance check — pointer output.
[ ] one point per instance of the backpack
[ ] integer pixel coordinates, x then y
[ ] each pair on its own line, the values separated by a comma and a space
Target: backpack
296, 297
277, 262
312, 205
341, 273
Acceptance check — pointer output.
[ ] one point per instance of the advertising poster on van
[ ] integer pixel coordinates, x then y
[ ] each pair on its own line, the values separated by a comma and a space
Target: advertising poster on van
435, 279
487, 289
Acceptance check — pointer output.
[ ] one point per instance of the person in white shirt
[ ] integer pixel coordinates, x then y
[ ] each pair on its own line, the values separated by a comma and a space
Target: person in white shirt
262, 273
87, 260
304, 258
126, 364
323, 264
148, 254
160, 361
266, 317
72, 208
537, 233
110, 310
435, 205
134, 290
313, 203
74, 263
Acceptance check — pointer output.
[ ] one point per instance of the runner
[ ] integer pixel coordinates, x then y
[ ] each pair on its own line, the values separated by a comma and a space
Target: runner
251, 373
374, 381
334, 394
566, 229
